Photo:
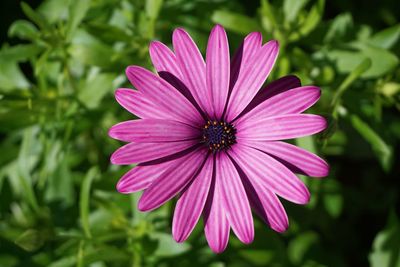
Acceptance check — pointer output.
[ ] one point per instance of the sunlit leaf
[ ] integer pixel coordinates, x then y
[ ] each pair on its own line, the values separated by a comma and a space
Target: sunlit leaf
23, 29
11, 76
299, 246
311, 21
30, 240
235, 22
386, 38
381, 148
85, 200
95, 88
167, 246
382, 61
340, 26
153, 8
37, 18
89, 50
386, 246
77, 11
292, 7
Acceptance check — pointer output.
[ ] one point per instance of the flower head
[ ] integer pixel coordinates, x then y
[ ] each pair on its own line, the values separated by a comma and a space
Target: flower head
208, 134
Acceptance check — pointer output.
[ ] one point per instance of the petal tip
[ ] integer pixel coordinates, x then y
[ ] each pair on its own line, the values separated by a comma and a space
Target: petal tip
154, 45
280, 228
324, 123
130, 72
119, 93
305, 198
142, 206
275, 44
111, 132
133, 70
218, 27
121, 188
113, 158
178, 238
325, 169
218, 249
256, 35
248, 239
179, 30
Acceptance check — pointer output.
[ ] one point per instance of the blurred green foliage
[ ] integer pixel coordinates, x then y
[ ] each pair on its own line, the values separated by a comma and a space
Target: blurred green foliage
59, 206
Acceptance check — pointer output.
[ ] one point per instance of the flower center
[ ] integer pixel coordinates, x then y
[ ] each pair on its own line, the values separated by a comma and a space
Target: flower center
218, 135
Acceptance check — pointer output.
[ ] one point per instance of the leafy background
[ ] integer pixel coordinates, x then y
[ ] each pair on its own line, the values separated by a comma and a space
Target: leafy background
60, 61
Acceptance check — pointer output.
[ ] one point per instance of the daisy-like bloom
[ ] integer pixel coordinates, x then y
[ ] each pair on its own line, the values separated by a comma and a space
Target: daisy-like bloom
208, 134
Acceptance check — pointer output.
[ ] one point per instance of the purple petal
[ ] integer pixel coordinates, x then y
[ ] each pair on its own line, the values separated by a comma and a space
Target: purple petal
267, 205
272, 211
139, 105
251, 45
218, 69
172, 181
191, 203
290, 102
165, 62
280, 127
193, 69
234, 199
140, 177
276, 87
142, 152
251, 78
216, 225
152, 130
262, 169
303, 161
163, 95
164, 59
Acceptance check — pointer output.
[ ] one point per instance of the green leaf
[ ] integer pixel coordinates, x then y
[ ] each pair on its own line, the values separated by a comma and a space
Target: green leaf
54, 10
89, 50
268, 16
35, 16
153, 8
332, 197
66, 261
24, 30
382, 61
387, 38
11, 76
77, 11
18, 53
311, 21
30, 240
299, 246
333, 204
307, 142
382, 149
95, 88
27, 160
355, 73
85, 199
291, 8
167, 247
341, 25
108, 33
235, 22
390, 89
9, 260
386, 246
60, 183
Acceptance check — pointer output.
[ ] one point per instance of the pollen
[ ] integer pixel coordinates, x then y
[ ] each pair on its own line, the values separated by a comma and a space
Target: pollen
218, 135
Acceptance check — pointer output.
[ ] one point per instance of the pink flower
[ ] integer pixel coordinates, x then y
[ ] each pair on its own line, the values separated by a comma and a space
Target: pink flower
209, 134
